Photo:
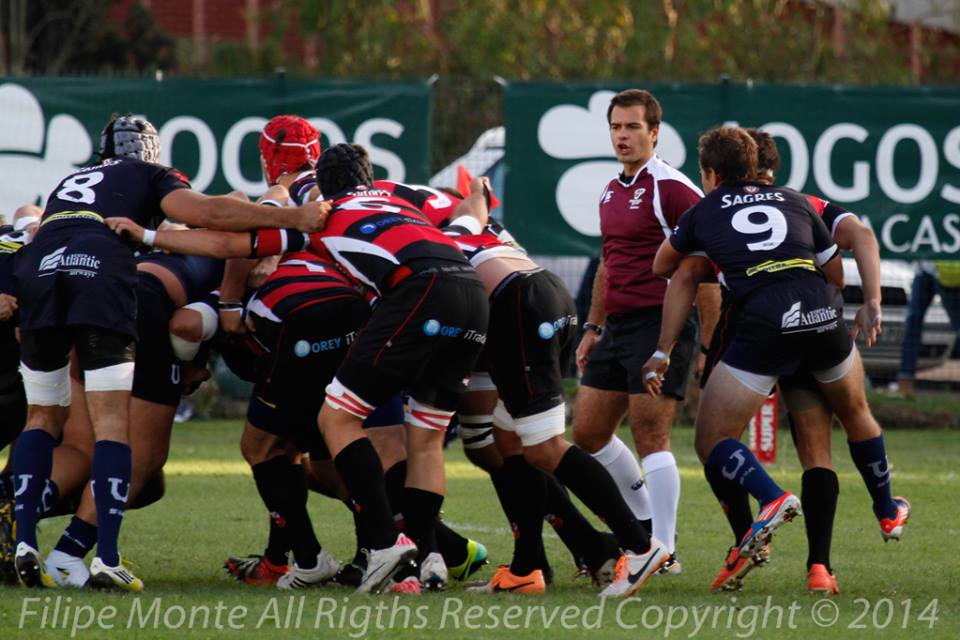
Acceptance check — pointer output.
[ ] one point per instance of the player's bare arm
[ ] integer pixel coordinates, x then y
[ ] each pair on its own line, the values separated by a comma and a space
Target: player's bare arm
192, 242
667, 259
227, 213
853, 235
677, 302
475, 204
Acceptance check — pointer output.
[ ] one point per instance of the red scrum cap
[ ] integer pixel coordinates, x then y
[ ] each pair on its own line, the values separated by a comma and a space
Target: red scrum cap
286, 144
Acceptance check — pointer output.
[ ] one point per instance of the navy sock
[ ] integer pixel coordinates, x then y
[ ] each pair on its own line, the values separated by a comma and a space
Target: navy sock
50, 497
736, 463
78, 538
111, 488
32, 463
734, 501
870, 456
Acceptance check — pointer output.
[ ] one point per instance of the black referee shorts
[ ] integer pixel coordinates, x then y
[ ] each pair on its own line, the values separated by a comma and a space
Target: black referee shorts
628, 341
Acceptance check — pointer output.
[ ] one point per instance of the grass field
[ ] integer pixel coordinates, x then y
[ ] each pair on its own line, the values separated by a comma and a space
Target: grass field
211, 510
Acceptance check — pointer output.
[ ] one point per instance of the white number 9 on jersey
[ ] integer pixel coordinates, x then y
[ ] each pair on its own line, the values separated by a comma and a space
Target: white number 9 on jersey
773, 223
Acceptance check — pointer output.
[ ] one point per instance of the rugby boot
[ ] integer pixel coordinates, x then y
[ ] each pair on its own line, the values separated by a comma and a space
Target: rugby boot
892, 528
300, 578
504, 581
255, 570
476, 558
820, 580
671, 567
383, 563
66, 570
782, 510
633, 570
433, 573
103, 576
30, 570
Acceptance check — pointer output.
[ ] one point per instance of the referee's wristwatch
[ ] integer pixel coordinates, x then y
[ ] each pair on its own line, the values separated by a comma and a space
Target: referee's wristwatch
596, 328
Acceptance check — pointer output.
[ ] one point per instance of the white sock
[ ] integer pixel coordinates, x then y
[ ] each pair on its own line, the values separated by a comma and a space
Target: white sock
663, 480
620, 463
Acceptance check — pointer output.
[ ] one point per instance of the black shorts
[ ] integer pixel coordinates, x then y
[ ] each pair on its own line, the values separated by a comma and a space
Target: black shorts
156, 377
783, 329
628, 341
533, 323
422, 339
305, 352
77, 274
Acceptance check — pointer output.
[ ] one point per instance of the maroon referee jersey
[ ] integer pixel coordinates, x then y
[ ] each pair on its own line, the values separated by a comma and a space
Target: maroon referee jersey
636, 214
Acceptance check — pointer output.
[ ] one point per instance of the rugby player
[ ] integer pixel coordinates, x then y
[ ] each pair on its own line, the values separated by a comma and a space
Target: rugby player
422, 338
532, 324
165, 283
776, 256
810, 416
13, 402
77, 290
638, 209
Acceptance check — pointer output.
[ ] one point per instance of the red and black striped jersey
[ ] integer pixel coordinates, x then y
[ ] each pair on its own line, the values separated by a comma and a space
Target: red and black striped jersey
436, 205
493, 242
370, 233
301, 279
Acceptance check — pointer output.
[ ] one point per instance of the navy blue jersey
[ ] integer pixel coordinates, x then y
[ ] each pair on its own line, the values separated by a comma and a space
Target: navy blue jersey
116, 187
198, 275
757, 235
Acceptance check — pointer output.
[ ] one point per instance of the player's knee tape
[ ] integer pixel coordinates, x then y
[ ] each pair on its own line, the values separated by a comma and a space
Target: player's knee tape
476, 431
837, 371
480, 381
540, 427
47, 388
118, 377
342, 399
187, 350
427, 417
756, 382
502, 418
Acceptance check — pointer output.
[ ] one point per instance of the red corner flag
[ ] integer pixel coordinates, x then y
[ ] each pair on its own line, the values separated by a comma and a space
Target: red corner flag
464, 178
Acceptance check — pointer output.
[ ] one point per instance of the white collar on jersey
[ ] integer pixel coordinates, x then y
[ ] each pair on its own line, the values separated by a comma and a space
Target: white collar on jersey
646, 167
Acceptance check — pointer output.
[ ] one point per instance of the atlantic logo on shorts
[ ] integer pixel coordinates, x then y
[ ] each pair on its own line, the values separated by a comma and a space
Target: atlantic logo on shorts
51, 261
795, 318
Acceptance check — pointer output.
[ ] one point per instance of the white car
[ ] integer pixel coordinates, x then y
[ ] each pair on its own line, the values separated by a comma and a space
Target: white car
883, 359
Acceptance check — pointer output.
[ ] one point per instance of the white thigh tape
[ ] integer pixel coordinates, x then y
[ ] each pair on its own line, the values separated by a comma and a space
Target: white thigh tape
47, 388
339, 397
427, 417
542, 426
118, 377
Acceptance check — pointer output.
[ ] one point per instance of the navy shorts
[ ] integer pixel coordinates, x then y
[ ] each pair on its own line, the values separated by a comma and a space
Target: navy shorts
423, 340
783, 329
628, 341
533, 324
77, 273
156, 377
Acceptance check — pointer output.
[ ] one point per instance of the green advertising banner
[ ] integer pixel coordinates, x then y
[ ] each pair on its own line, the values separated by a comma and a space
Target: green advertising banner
208, 128
891, 155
